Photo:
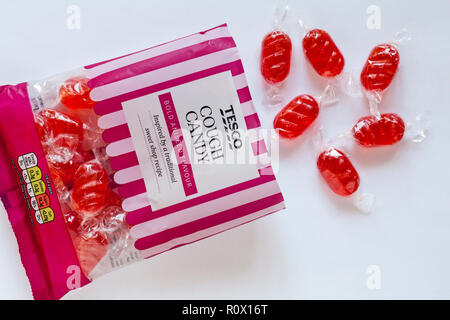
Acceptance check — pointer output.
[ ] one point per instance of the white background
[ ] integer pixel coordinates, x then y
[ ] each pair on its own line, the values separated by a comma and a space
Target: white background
319, 247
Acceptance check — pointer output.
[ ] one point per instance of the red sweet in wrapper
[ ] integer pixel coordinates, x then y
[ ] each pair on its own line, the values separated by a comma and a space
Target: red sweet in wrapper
90, 251
52, 123
41, 127
74, 94
73, 222
61, 136
383, 130
90, 187
65, 171
276, 57
296, 117
322, 53
380, 68
113, 199
338, 172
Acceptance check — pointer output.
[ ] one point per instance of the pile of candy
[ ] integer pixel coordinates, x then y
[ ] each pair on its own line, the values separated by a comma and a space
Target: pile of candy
299, 114
81, 174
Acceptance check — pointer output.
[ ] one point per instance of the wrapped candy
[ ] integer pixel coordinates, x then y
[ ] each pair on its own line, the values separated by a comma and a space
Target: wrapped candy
74, 94
339, 173
276, 57
296, 117
111, 163
52, 123
300, 113
81, 182
323, 54
90, 187
73, 222
326, 59
388, 129
380, 69
372, 131
276, 52
90, 251
64, 171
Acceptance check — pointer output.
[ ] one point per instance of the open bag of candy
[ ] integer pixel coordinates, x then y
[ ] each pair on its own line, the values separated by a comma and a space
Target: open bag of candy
125, 159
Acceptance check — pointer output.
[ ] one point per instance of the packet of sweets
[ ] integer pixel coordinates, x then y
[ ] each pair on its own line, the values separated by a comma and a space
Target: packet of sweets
125, 159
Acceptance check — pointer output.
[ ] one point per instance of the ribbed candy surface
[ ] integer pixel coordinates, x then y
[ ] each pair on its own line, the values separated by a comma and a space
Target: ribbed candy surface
90, 187
373, 131
322, 53
276, 57
296, 117
380, 68
339, 173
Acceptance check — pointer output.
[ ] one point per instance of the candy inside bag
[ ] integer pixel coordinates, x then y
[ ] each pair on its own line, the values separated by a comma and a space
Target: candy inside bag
81, 173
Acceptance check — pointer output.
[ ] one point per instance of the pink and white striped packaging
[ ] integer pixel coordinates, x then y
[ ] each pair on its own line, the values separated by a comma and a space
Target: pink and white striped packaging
183, 141
157, 71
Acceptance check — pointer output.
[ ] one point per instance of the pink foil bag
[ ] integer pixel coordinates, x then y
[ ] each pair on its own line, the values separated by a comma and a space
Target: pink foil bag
169, 118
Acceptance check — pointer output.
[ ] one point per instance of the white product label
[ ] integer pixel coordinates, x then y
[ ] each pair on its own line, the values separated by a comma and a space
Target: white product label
191, 140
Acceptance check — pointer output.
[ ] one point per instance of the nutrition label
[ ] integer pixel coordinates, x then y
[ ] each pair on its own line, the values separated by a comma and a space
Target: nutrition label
36, 188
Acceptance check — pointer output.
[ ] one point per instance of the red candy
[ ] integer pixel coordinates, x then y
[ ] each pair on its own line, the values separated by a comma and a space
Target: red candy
296, 117
373, 131
90, 251
380, 68
90, 187
80, 181
91, 244
51, 123
60, 135
113, 218
322, 53
338, 172
74, 94
91, 228
114, 199
41, 127
64, 171
73, 222
276, 57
